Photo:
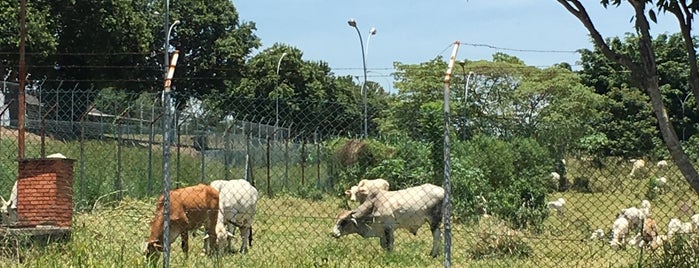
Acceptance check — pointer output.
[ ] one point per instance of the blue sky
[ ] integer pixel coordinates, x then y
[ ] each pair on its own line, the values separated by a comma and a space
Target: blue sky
413, 31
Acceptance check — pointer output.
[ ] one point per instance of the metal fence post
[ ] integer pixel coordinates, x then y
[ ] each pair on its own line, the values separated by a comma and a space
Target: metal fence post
447, 162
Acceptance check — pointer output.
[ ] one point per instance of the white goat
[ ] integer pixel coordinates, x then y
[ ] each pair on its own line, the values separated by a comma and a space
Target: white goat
555, 177
558, 205
661, 164
637, 165
676, 226
635, 215
645, 208
636, 241
661, 181
695, 221
620, 229
482, 204
597, 234
8, 208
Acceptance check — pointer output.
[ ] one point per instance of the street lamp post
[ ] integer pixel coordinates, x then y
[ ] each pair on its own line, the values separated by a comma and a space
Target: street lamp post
166, 135
352, 23
276, 122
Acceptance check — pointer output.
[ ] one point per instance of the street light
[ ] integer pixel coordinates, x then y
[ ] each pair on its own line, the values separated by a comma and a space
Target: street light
352, 23
166, 134
166, 46
279, 63
467, 79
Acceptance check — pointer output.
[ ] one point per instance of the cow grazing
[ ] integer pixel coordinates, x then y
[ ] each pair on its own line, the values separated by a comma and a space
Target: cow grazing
190, 208
237, 206
8, 208
385, 211
364, 188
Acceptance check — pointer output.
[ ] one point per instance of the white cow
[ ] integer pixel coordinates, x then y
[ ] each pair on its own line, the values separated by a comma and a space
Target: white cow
8, 208
237, 208
364, 188
385, 211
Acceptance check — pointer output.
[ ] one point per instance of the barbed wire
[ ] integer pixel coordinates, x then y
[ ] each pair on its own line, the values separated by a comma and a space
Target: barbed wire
520, 50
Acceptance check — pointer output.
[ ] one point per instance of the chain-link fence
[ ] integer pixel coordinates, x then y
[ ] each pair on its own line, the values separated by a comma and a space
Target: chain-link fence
293, 171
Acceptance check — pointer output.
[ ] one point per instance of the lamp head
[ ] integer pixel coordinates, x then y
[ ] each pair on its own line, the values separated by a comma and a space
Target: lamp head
177, 22
373, 31
352, 23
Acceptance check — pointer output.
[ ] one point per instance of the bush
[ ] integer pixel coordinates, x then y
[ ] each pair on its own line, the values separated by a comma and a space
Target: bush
496, 240
350, 159
512, 175
679, 251
409, 166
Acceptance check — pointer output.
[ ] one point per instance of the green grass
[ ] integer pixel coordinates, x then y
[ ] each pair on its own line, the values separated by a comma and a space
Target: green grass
294, 232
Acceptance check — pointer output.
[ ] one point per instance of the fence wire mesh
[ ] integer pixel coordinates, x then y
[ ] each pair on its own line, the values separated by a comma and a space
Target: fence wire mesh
309, 190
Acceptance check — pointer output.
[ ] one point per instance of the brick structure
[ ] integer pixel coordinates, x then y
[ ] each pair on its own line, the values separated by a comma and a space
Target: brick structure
45, 192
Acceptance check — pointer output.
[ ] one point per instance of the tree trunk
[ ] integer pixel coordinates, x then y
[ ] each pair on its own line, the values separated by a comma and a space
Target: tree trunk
669, 136
644, 74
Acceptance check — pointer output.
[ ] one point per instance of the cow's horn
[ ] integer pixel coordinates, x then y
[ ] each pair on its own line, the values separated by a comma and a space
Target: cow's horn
206, 237
354, 221
229, 234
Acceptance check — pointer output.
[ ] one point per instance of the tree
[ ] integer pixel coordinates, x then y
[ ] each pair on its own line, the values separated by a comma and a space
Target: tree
214, 46
644, 72
607, 76
39, 40
308, 94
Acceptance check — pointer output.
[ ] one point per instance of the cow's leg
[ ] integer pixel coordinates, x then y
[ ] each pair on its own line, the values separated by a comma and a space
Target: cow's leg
388, 233
436, 241
435, 222
244, 236
185, 243
174, 233
230, 229
383, 241
210, 228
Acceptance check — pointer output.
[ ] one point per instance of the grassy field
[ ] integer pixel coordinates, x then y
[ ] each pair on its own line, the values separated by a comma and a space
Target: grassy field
295, 232
291, 232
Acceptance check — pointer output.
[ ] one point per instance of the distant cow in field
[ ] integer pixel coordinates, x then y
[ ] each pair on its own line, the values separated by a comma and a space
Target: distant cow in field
190, 208
385, 211
237, 206
364, 188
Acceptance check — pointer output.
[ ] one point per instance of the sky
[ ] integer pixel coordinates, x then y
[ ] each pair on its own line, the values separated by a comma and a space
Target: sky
540, 32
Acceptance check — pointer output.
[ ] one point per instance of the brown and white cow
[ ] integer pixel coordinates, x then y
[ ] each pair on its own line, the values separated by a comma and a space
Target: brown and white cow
385, 211
190, 208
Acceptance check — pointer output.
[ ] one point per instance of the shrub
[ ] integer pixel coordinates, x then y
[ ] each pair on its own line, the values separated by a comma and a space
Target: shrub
350, 159
679, 251
409, 166
496, 240
512, 175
